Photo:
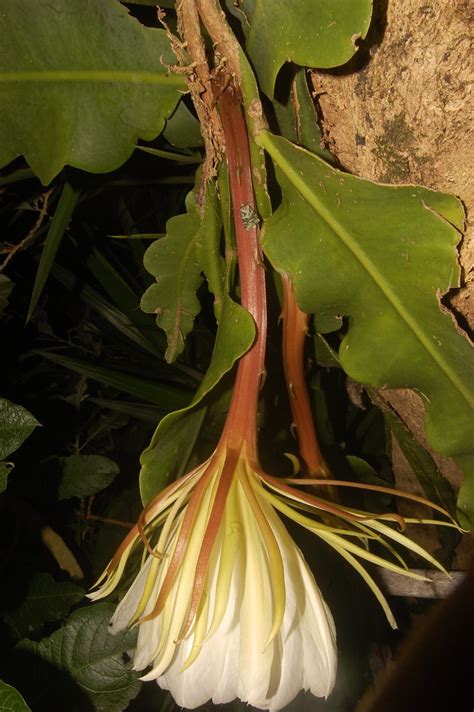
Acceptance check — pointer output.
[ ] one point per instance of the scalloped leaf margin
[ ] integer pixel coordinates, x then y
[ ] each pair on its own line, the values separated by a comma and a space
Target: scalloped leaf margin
80, 82
383, 256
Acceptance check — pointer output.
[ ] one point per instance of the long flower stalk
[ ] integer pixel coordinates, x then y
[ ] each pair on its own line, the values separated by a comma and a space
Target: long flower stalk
295, 329
225, 604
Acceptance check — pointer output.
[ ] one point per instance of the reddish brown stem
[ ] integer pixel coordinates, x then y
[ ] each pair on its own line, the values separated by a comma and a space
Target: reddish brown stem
295, 328
241, 423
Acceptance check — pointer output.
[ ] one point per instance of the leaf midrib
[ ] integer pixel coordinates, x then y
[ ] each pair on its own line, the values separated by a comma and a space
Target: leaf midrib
313, 200
183, 262
95, 76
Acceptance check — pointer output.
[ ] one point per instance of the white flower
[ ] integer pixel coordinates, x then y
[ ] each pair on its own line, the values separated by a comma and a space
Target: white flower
260, 631
225, 603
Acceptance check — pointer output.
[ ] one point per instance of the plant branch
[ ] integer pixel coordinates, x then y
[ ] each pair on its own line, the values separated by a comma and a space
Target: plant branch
199, 85
241, 423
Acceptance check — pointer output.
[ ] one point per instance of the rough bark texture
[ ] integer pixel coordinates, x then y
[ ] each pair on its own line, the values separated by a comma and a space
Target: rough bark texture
401, 113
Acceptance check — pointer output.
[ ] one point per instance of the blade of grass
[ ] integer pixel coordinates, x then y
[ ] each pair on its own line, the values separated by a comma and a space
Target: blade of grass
165, 396
141, 411
15, 176
125, 298
139, 236
104, 308
170, 156
67, 202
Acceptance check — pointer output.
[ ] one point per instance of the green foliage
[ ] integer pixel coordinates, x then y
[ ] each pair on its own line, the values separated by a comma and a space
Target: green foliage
84, 475
235, 334
80, 82
166, 396
71, 94
67, 203
182, 128
351, 248
173, 262
11, 700
16, 424
315, 33
5, 469
92, 658
45, 600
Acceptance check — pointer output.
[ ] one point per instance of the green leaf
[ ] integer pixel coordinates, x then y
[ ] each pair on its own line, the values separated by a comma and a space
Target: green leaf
84, 649
104, 308
381, 255
182, 128
365, 473
141, 411
297, 118
183, 158
313, 33
166, 396
235, 334
80, 82
16, 424
465, 503
67, 202
45, 600
435, 486
168, 455
84, 475
5, 469
125, 298
15, 176
208, 248
178, 261
11, 700
6, 286
173, 262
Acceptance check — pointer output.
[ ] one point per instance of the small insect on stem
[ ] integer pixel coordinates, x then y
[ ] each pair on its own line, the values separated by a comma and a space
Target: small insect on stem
249, 216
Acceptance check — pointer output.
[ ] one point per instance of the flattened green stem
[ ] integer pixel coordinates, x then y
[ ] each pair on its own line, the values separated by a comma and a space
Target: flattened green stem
266, 140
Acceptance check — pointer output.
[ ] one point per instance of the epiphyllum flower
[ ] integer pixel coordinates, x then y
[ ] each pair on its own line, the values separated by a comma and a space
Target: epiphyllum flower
224, 601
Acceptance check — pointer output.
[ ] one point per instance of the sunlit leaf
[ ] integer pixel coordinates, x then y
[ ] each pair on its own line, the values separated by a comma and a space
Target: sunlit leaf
80, 82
